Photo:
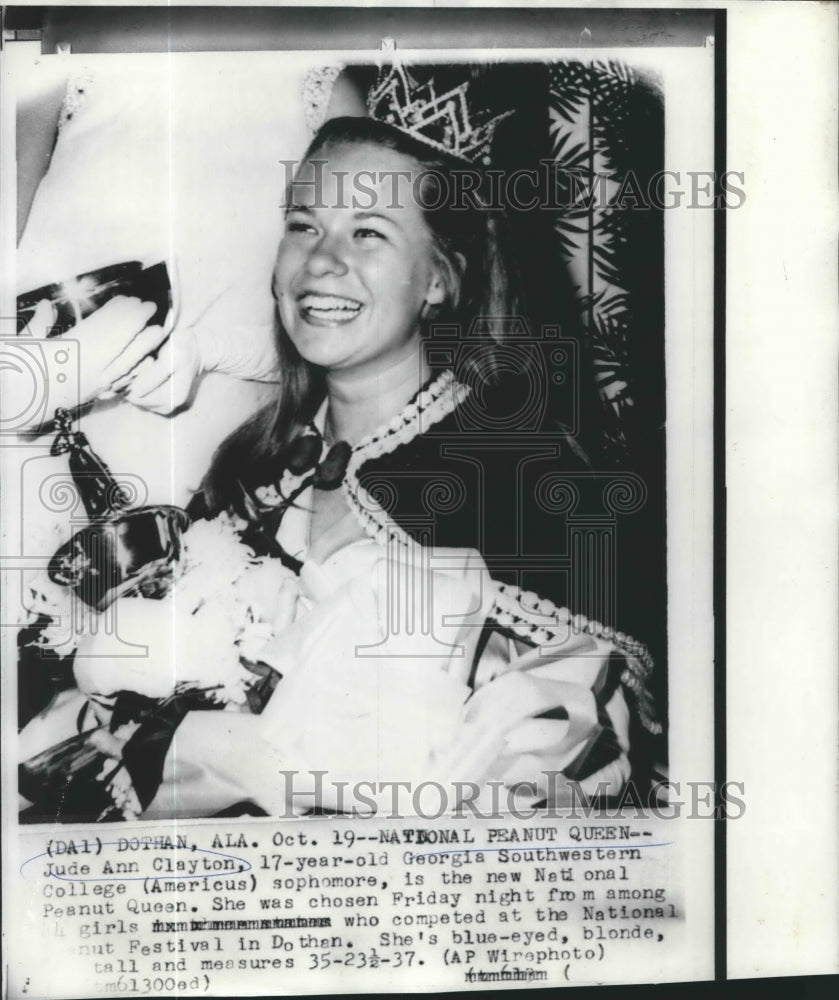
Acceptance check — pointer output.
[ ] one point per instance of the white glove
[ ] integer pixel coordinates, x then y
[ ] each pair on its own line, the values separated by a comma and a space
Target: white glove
164, 384
112, 343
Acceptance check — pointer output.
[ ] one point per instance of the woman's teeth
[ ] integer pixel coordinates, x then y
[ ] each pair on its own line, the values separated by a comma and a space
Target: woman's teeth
329, 308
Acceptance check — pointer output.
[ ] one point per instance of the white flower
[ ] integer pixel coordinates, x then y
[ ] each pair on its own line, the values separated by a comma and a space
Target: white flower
224, 606
260, 585
171, 647
253, 639
124, 796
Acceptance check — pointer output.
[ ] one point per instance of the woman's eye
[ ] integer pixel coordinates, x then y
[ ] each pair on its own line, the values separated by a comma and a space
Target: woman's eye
369, 234
298, 226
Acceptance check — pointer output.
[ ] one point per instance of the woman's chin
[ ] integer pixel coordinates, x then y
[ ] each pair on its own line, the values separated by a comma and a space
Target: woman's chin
324, 346
326, 359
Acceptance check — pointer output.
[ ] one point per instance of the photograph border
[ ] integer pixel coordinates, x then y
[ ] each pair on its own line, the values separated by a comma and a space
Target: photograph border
719, 499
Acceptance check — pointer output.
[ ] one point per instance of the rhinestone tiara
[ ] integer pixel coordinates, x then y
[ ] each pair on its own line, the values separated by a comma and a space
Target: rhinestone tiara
442, 121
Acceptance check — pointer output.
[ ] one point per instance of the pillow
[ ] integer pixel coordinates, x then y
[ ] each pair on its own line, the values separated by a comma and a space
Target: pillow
177, 158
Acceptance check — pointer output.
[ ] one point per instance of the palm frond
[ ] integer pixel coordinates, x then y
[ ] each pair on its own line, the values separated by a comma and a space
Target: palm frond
568, 246
567, 104
570, 155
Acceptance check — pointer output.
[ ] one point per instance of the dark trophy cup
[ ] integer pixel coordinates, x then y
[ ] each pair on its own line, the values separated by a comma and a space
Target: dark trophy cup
74, 299
121, 552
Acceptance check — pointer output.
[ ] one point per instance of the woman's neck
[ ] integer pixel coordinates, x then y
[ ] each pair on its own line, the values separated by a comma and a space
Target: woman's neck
361, 402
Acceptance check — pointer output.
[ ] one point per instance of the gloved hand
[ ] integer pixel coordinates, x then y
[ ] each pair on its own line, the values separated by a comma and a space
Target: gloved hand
113, 342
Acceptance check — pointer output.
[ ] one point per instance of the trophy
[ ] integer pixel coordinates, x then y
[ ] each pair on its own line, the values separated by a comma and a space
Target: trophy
76, 298
121, 552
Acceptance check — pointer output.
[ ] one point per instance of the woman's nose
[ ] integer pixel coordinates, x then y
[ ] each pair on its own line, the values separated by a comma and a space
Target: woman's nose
327, 257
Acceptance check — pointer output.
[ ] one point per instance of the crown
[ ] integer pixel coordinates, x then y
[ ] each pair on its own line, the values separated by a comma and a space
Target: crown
442, 121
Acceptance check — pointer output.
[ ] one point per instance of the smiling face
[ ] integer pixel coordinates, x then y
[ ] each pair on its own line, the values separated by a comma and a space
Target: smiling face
356, 265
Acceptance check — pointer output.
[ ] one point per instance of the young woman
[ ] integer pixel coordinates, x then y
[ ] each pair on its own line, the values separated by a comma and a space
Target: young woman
392, 301
434, 617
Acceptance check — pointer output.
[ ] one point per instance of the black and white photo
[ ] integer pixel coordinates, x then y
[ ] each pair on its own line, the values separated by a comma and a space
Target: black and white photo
364, 577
